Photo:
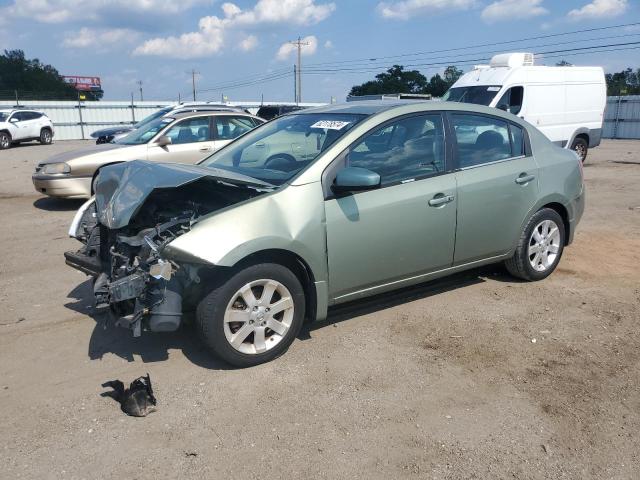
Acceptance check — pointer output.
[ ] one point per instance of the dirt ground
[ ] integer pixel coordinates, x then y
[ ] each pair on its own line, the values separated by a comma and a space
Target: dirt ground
477, 376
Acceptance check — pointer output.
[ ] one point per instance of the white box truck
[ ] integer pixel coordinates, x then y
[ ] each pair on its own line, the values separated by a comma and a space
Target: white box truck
565, 103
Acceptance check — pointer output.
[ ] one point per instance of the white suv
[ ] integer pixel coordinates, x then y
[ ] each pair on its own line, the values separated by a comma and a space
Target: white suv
24, 125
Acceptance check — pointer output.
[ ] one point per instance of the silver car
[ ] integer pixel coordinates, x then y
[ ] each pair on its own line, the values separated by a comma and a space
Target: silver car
180, 138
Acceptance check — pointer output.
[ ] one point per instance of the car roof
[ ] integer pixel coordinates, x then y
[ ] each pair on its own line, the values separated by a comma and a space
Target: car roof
399, 107
201, 113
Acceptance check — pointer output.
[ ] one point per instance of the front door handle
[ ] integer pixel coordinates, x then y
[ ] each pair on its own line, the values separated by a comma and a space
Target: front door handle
205, 149
441, 199
523, 179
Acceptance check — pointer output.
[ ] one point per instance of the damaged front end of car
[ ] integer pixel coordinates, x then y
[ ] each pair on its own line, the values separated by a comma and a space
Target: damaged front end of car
140, 208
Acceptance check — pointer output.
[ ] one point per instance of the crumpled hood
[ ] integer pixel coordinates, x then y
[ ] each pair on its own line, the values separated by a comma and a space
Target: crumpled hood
83, 152
106, 132
121, 189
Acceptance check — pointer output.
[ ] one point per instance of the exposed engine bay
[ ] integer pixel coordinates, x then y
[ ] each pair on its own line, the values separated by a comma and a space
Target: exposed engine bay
133, 283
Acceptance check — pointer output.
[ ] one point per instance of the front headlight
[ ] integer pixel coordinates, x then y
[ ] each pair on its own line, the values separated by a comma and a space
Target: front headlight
52, 168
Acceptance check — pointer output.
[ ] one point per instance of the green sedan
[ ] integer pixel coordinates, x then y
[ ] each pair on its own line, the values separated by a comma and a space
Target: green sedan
322, 207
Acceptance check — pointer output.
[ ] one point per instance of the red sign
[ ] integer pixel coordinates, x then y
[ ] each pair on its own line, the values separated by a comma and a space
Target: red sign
83, 83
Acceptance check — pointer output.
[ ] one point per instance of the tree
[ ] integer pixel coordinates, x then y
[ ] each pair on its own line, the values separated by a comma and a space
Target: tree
626, 82
394, 80
31, 77
564, 63
398, 80
452, 74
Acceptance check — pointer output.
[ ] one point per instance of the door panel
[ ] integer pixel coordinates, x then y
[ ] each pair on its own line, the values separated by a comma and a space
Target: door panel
389, 234
20, 128
191, 142
492, 207
497, 185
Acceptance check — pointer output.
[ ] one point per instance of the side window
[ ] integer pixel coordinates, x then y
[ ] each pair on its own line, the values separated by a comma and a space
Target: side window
480, 139
191, 130
517, 140
18, 116
403, 150
511, 101
230, 127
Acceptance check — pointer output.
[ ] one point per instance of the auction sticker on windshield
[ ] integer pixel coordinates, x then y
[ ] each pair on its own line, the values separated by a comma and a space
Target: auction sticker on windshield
330, 124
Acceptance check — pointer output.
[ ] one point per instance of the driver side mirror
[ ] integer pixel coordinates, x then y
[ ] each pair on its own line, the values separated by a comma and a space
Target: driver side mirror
354, 179
163, 141
13, 120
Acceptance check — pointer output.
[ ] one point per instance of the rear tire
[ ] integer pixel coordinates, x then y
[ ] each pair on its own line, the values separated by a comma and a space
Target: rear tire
5, 140
46, 137
253, 316
581, 147
540, 247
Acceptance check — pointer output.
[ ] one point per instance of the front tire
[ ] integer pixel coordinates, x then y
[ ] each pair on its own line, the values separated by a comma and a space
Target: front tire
540, 247
46, 137
254, 316
581, 147
5, 140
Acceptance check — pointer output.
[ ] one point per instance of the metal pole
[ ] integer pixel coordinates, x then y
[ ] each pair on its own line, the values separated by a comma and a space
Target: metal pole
17, 100
193, 82
80, 116
295, 84
299, 70
133, 111
139, 82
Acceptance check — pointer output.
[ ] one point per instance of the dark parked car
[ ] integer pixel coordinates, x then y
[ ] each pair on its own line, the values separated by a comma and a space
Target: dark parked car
269, 112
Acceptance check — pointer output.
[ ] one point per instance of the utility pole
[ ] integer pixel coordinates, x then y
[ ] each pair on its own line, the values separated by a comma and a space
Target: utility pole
139, 82
299, 44
295, 84
193, 82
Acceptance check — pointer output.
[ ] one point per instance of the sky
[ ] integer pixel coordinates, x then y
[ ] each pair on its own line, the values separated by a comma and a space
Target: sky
242, 49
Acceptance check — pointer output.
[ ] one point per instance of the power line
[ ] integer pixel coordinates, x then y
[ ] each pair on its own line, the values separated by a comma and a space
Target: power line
492, 44
478, 59
256, 79
527, 47
474, 61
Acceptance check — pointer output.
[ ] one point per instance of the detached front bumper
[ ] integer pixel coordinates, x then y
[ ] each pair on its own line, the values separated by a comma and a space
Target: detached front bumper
62, 186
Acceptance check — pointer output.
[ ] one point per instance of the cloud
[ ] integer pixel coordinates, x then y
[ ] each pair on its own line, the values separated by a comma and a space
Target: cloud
210, 37
512, 9
249, 43
405, 9
286, 49
88, 37
60, 11
207, 41
599, 9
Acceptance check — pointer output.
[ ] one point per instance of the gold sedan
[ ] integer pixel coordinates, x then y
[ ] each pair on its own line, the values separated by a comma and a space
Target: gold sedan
181, 138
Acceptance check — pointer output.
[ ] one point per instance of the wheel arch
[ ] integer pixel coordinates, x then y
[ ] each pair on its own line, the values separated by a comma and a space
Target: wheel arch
95, 174
561, 210
7, 132
293, 262
581, 132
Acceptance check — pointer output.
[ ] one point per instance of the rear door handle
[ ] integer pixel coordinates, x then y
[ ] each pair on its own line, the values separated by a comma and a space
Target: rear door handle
441, 199
524, 179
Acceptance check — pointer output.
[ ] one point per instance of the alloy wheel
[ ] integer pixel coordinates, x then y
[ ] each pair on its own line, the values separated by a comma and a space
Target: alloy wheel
581, 150
4, 141
258, 316
544, 245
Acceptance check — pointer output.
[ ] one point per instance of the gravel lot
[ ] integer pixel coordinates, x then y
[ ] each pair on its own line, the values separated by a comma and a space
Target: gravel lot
476, 376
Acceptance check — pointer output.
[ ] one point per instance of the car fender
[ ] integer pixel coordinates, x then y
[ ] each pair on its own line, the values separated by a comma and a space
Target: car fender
290, 219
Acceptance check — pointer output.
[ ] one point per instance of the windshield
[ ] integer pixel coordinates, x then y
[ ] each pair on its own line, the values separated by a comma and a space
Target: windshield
145, 133
4, 116
480, 95
276, 151
160, 113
